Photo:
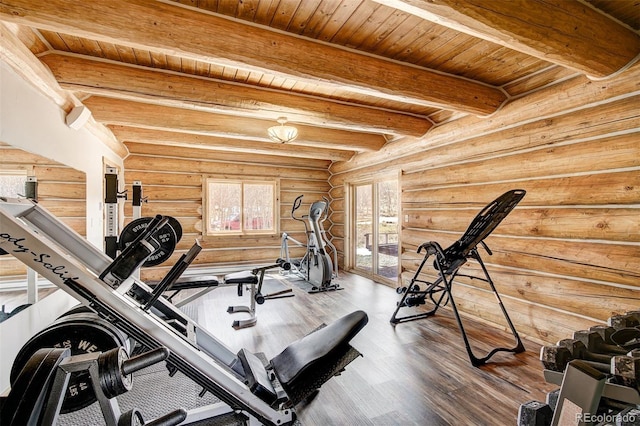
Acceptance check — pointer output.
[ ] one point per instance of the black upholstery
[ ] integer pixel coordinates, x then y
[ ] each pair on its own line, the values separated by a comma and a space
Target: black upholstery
189, 283
243, 277
317, 351
480, 228
256, 377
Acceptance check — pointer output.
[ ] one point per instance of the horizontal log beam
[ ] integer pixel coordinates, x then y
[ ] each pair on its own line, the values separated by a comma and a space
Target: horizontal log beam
171, 29
168, 138
221, 167
566, 32
113, 79
198, 154
137, 114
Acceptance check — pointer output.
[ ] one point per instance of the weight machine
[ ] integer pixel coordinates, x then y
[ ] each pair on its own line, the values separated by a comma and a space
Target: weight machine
254, 279
315, 266
168, 237
447, 263
38, 393
239, 379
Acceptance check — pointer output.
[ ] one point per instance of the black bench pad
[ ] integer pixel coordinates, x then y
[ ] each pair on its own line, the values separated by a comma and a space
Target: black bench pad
301, 363
188, 283
244, 277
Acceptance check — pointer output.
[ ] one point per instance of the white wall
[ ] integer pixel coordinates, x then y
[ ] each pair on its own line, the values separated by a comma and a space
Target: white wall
31, 121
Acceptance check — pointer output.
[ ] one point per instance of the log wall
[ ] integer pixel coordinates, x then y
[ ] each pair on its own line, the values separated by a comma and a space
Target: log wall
61, 189
174, 186
569, 255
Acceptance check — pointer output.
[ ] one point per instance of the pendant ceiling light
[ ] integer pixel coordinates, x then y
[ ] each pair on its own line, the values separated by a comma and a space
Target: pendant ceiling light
282, 133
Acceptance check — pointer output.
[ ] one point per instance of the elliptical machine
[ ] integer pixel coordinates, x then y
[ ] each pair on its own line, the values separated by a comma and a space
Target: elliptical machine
315, 266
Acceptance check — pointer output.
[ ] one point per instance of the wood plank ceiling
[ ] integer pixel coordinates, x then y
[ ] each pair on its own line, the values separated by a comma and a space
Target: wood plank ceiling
350, 74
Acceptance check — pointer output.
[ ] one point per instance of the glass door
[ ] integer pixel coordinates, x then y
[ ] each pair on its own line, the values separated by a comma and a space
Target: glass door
364, 227
375, 229
387, 229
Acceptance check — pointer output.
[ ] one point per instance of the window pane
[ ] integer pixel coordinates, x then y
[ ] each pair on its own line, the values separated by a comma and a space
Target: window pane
388, 229
224, 206
258, 206
364, 227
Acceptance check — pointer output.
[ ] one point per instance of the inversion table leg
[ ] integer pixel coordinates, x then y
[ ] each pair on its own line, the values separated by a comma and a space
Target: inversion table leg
476, 361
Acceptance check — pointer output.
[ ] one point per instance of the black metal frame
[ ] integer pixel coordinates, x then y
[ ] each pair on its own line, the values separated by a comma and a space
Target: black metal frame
447, 264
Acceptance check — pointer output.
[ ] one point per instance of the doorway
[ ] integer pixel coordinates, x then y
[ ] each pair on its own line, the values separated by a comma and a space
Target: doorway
374, 225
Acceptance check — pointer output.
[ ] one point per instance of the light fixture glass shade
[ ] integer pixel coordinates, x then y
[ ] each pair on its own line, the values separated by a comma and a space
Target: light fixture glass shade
282, 133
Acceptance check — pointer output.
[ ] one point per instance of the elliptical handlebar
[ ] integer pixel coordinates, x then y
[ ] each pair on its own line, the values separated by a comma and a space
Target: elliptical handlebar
296, 205
326, 208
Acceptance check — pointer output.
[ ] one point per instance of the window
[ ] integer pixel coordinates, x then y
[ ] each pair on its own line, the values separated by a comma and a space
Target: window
240, 206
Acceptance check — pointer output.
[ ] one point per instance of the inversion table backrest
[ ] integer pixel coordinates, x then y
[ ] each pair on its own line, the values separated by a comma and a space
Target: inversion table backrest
480, 228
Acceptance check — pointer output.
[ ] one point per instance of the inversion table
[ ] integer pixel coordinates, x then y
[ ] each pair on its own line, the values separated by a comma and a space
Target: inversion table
447, 263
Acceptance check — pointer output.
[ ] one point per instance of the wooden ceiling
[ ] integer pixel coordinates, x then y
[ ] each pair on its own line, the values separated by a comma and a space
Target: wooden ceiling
350, 74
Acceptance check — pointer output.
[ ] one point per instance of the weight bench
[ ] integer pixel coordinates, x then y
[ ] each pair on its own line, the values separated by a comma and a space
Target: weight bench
208, 283
306, 364
447, 263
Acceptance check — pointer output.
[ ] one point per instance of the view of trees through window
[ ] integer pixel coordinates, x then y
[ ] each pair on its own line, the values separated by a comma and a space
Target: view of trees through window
240, 206
376, 228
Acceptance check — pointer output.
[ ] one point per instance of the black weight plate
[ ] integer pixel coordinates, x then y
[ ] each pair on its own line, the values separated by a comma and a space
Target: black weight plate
78, 309
30, 391
175, 224
131, 418
81, 333
167, 237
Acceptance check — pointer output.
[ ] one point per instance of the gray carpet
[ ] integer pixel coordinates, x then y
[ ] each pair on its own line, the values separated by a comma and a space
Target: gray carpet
154, 394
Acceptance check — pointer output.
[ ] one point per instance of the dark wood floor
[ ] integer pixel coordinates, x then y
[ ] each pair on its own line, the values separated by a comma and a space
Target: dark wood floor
415, 373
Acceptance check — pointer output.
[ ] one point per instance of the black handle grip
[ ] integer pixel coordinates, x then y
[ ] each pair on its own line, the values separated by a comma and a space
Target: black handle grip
144, 360
296, 203
173, 418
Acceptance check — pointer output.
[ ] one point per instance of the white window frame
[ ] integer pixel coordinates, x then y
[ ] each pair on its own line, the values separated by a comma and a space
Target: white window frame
207, 231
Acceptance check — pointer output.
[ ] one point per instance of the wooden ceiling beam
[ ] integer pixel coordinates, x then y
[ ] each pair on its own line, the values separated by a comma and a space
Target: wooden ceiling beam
127, 134
175, 30
564, 32
113, 79
111, 111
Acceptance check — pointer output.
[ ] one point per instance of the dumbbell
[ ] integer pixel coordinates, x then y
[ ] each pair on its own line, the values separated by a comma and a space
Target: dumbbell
534, 413
630, 416
552, 398
630, 319
605, 331
557, 357
601, 362
596, 344
626, 369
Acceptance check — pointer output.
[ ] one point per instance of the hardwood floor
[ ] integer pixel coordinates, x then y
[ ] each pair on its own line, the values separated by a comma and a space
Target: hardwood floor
415, 373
